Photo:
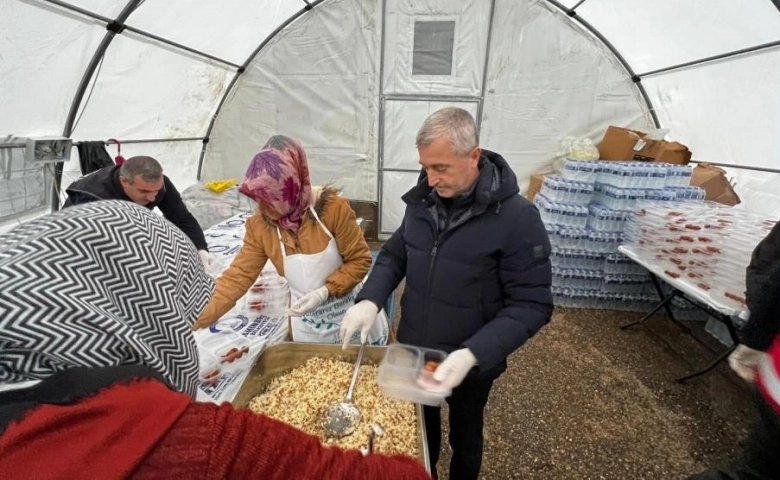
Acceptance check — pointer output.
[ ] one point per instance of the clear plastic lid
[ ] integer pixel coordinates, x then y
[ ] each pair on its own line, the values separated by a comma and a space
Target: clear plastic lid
406, 373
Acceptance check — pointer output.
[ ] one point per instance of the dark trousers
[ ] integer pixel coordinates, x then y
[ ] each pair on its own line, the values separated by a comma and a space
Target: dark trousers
467, 404
761, 454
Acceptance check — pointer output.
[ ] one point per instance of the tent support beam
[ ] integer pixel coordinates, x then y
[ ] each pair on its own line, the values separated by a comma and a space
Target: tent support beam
594, 31
722, 56
120, 26
124, 142
575, 7
739, 167
488, 44
240, 71
97, 57
74, 8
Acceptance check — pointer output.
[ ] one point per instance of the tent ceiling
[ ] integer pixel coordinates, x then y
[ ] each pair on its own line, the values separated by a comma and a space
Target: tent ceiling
149, 89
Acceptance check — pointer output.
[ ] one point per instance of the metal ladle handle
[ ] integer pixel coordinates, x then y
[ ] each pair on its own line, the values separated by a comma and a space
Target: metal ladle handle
355, 373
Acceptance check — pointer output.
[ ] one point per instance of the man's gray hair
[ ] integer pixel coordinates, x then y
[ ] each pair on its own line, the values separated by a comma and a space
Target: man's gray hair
453, 123
148, 168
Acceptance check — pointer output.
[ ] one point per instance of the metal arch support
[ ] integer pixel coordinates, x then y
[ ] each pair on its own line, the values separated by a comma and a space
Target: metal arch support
488, 46
114, 24
618, 56
67, 130
713, 58
309, 6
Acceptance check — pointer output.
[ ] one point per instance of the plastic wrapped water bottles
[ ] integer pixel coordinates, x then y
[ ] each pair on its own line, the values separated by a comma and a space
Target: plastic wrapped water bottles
678, 175
603, 219
560, 190
580, 171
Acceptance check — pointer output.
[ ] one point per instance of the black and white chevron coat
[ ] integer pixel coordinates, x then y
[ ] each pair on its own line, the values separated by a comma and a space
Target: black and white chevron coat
102, 284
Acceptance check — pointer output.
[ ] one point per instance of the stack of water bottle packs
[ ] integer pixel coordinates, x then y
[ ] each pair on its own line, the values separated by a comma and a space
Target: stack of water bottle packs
706, 245
585, 210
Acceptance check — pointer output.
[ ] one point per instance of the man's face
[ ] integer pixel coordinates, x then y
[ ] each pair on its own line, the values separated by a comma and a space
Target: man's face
449, 174
141, 191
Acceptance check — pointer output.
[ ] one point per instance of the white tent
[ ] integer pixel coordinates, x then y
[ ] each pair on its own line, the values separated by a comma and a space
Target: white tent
202, 85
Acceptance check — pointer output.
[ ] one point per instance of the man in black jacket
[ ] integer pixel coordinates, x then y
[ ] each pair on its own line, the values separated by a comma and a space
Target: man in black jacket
475, 255
141, 180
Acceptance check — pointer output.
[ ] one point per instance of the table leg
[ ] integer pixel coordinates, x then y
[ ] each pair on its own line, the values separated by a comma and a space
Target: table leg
664, 302
709, 367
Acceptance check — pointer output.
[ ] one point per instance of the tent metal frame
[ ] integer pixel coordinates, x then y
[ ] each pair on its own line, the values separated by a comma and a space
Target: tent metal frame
118, 25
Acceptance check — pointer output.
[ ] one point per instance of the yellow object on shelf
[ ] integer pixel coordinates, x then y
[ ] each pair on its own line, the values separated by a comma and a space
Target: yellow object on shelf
219, 186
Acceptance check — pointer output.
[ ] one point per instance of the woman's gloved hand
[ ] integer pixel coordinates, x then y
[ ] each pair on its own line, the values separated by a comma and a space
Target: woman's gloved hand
309, 302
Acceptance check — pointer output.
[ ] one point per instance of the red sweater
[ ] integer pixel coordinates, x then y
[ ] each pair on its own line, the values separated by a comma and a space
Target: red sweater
143, 430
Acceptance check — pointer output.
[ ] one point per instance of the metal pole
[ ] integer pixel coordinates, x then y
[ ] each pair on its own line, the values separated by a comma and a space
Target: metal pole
742, 51
67, 131
634, 77
488, 43
240, 71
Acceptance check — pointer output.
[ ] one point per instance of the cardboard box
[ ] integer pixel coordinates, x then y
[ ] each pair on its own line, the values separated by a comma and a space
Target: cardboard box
624, 144
535, 185
717, 186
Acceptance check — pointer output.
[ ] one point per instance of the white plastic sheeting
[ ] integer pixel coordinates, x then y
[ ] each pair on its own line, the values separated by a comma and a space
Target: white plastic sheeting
548, 80
736, 124
40, 68
229, 30
147, 91
662, 33
318, 82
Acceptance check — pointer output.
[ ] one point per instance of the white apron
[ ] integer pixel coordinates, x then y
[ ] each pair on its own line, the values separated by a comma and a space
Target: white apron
306, 273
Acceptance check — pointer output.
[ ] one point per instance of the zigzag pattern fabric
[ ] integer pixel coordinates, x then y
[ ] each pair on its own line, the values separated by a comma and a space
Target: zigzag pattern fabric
101, 284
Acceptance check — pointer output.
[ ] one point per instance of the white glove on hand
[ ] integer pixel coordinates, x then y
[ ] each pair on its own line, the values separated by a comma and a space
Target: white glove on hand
454, 368
745, 360
359, 316
309, 302
210, 263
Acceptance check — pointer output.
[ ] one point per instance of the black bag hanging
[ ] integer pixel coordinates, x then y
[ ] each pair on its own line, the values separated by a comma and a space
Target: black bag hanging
93, 156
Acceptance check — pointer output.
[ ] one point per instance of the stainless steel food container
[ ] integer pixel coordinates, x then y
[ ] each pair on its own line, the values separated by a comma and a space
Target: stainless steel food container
282, 357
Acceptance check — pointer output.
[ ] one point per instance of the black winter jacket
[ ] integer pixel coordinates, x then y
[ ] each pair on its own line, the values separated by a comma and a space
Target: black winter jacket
481, 282
104, 185
766, 255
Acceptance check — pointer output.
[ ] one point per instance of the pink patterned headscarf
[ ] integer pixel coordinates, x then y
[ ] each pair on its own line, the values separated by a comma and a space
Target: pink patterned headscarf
278, 177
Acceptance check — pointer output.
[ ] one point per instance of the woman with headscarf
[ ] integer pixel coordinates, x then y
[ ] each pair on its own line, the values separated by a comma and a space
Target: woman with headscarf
312, 238
99, 364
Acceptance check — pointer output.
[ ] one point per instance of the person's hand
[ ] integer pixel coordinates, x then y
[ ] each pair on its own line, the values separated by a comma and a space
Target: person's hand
454, 368
744, 361
209, 262
360, 316
309, 302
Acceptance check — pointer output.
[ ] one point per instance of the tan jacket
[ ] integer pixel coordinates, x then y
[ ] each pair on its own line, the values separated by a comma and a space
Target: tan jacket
261, 243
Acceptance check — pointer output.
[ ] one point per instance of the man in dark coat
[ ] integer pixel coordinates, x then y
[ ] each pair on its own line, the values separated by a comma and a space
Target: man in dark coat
475, 256
140, 180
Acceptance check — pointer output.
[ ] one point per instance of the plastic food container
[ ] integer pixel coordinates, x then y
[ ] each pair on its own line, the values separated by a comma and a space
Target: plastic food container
406, 374
209, 368
227, 346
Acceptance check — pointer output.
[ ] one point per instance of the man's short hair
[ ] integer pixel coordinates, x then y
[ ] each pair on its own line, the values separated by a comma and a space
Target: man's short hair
453, 123
148, 168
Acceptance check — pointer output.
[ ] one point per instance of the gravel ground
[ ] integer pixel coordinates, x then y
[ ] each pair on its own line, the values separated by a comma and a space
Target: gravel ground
584, 399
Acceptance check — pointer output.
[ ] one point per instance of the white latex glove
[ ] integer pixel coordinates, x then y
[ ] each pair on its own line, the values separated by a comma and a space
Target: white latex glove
454, 368
308, 302
209, 262
745, 360
360, 316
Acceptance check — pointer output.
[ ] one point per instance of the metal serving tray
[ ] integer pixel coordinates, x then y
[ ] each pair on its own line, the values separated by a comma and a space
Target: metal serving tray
279, 358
